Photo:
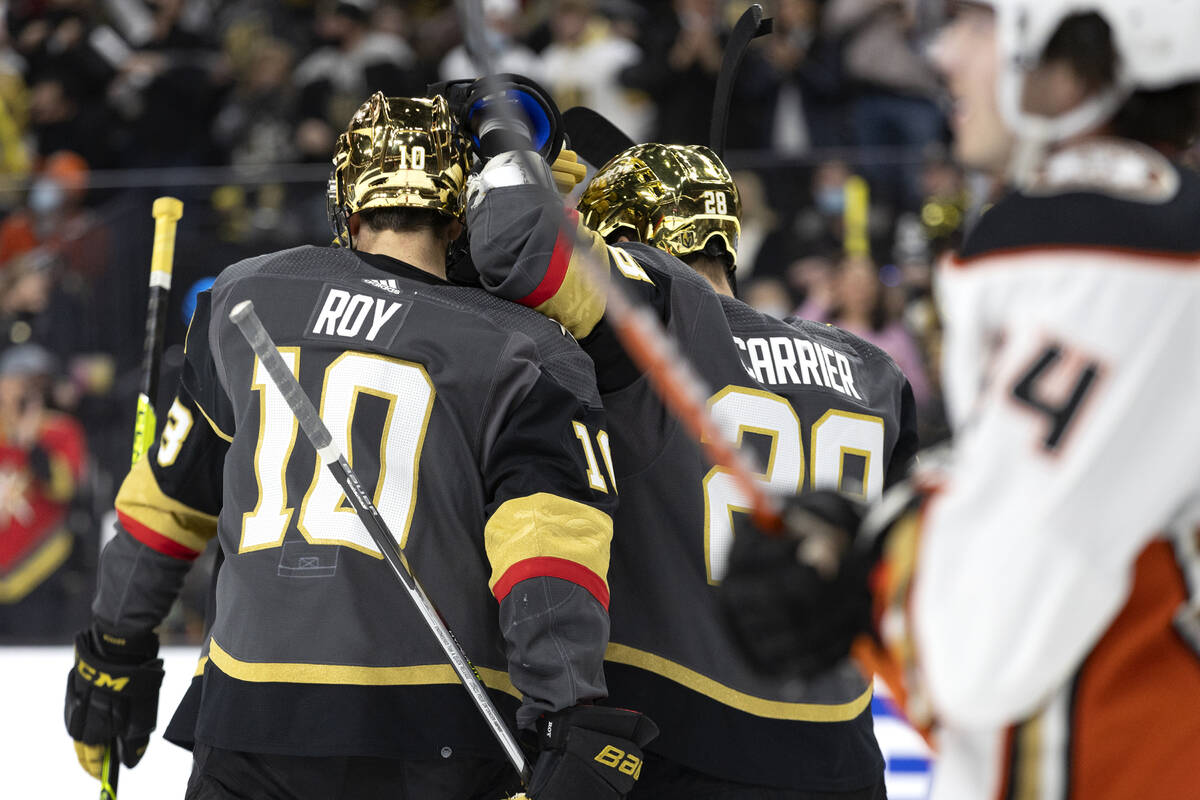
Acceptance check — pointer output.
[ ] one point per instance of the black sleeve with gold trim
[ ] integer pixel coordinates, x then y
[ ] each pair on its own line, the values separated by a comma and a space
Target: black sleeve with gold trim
168, 504
548, 478
528, 251
550, 484
171, 498
199, 376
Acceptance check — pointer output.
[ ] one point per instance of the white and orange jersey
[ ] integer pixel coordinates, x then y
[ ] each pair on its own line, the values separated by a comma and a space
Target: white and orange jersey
1050, 624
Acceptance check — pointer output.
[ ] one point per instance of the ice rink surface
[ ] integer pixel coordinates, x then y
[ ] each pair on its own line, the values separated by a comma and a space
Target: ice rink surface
39, 759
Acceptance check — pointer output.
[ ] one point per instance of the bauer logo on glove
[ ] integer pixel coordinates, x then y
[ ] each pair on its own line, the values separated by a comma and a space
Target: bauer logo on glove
621, 761
589, 753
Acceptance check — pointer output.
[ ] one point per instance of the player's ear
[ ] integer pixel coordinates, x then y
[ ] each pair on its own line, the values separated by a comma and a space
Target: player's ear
354, 224
454, 230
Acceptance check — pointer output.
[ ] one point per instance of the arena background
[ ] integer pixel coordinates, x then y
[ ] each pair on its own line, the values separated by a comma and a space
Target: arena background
837, 140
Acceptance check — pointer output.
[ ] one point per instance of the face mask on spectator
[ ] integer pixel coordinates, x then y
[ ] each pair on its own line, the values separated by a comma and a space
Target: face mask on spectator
45, 196
831, 201
495, 39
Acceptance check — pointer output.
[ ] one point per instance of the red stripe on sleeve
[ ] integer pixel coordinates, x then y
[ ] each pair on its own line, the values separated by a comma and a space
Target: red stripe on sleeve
560, 259
551, 567
155, 540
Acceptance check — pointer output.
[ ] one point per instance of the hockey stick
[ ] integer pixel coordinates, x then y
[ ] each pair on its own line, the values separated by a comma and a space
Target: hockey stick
314, 428
166, 212
749, 26
651, 348
648, 344
593, 136
655, 353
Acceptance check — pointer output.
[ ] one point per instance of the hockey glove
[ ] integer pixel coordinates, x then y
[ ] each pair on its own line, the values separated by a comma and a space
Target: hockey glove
505, 112
568, 172
112, 693
797, 600
589, 753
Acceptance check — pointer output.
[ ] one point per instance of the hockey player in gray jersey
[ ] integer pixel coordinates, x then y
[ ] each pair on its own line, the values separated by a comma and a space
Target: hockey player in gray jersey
821, 407
474, 423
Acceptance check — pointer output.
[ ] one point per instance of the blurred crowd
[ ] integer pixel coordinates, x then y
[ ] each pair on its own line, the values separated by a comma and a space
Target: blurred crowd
836, 139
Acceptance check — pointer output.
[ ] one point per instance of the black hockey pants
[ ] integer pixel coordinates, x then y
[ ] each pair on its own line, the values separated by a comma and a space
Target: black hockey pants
663, 779
230, 775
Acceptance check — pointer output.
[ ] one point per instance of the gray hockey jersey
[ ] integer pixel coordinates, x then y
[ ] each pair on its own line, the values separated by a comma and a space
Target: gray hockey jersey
820, 408
475, 424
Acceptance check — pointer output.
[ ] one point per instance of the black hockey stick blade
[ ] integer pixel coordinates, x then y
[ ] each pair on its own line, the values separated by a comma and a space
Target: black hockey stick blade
593, 137
749, 26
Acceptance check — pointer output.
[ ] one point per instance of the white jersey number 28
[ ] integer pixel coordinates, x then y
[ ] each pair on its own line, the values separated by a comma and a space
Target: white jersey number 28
836, 435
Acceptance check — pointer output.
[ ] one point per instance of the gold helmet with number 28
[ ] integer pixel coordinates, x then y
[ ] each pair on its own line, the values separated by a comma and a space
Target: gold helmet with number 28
397, 152
673, 197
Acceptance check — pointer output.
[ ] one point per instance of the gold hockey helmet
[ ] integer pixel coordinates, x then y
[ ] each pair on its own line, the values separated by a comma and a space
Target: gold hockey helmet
398, 152
674, 197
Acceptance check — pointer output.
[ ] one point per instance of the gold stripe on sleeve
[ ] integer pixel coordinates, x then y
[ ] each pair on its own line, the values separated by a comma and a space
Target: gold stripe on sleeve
141, 499
578, 304
546, 525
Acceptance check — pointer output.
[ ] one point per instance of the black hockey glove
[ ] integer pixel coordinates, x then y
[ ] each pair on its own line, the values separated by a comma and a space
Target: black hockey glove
797, 600
589, 753
112, 693
506, 112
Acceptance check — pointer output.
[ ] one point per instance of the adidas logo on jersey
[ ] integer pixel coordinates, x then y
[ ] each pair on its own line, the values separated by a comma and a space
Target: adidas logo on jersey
386, 285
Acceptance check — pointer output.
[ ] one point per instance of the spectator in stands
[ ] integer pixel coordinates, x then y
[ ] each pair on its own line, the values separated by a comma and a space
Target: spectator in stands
813, 278
583, 63
256, 124
356, 61
15, 152
500, 21
859, 305
819, 225
680, 70
767, 245
60, 118
809, 104
34, 308
171, 88
42, 463
896, 86
56, 219
681, 57
69, 61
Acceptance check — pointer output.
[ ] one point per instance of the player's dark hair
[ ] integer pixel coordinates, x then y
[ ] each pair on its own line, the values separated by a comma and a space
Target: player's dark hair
405, 220
1166, 119
713, 265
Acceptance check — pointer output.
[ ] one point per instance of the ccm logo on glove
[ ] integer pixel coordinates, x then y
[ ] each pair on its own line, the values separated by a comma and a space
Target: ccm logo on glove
102, 679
